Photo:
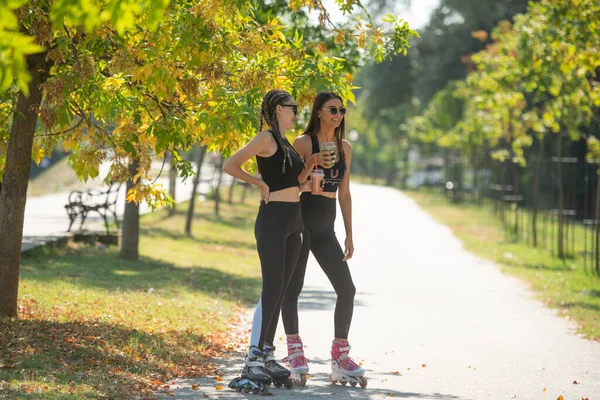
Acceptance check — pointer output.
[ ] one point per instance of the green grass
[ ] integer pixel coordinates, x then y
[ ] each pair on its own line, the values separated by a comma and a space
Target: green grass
60, 177
94, 326
561, 284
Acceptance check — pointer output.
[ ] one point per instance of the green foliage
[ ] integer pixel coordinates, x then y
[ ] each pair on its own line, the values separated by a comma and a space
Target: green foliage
128, 80
537, 77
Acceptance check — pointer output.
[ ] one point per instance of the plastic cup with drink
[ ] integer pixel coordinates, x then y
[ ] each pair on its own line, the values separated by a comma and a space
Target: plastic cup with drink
316, 179
329, 149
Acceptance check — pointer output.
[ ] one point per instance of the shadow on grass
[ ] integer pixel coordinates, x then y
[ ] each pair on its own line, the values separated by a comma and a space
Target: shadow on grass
581, 305
232, 219
161, 232
554, 265
96, 268
89, 358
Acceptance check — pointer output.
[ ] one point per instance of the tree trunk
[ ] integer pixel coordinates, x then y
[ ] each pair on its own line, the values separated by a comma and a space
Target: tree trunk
405, 168
516, 194
536, 191
13, 193
172, 184
230, 194
219, 171
561, 199
597, 224
190, 214
246, 186
131, 223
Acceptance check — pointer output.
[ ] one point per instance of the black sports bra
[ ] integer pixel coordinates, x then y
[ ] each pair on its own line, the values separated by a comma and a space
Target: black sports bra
272, 168
334, 175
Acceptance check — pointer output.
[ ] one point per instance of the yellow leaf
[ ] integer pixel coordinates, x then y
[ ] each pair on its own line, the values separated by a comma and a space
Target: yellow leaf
219, 387
281, 36
212, 103
39, 156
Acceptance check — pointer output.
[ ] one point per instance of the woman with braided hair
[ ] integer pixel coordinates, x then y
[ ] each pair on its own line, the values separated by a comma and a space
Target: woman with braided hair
277, 231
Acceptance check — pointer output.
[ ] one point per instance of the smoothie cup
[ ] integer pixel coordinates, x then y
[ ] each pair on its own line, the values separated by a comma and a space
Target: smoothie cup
316, 178
329, 148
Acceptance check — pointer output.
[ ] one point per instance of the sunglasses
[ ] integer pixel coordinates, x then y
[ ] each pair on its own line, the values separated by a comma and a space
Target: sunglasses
334, 110
293, 106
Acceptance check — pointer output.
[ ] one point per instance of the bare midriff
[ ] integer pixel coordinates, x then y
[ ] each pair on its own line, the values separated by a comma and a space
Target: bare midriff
290, 195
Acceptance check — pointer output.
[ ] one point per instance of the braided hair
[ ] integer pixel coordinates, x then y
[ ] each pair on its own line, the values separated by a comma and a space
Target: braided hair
270, 102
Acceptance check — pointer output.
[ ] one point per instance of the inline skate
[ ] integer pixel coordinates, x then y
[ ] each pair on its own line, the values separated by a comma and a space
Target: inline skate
255, 377
343, 369
297, 361
279, 374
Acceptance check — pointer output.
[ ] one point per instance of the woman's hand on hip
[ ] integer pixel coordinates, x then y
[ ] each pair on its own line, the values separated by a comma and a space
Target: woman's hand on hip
349, 251
264, 193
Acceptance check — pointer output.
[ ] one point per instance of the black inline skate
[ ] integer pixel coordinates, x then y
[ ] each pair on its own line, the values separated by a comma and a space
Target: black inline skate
279, 374
255, 378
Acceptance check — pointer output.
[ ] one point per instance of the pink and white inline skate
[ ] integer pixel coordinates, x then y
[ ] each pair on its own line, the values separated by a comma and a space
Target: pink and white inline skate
297, 361
343, 369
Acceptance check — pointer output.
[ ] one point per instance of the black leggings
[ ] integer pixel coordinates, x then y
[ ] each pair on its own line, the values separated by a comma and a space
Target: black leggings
277, 231
318, 213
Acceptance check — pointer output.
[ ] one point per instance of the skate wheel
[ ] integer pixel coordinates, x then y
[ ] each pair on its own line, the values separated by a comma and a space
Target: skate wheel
363, 382
303, 380
233, 383
288, 383
334, 381
344, 382
277, 384
247, 389
264, 390
353, 383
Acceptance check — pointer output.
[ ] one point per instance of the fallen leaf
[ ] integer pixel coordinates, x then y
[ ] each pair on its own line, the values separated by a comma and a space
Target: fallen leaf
195, 387
423, 365
544, 389
408, 369
560, 398
218, 379
514, 396
205, 395
575, 383
396, 373
361, 363
391, 394
219, 387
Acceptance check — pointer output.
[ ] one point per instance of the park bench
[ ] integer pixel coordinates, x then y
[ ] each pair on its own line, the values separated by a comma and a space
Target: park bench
101, 201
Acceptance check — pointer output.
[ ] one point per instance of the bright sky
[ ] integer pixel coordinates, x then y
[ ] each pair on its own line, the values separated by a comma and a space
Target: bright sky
417, 15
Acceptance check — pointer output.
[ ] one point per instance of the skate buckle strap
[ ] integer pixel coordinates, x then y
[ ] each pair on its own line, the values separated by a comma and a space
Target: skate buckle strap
255, 363
293, 345
345, 349
294, 355
342, 357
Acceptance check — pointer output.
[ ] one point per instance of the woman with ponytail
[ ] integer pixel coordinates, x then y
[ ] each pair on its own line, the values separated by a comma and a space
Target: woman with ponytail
277, 230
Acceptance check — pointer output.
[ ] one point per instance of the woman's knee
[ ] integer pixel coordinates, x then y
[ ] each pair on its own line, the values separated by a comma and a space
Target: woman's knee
347, 292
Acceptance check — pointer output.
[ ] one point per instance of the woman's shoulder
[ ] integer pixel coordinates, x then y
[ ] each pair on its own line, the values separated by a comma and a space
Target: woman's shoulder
302, 140
346, 144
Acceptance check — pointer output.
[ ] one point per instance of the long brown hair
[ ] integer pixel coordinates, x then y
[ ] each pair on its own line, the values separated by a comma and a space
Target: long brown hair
314, 124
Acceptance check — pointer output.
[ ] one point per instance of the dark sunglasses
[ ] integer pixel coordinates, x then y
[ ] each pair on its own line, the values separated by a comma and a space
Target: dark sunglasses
334, 110
294, 107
